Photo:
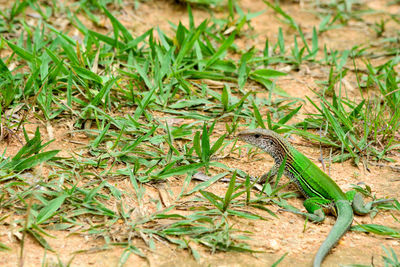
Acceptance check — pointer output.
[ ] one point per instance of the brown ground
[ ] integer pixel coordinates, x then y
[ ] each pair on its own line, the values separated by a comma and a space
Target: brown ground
274, 236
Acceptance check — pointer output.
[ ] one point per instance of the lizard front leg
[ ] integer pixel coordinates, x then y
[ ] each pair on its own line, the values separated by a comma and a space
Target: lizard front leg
269, 176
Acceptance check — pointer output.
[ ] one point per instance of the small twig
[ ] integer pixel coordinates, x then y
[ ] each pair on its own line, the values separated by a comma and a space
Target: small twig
321, 158
394, 168
76, 142
202, 177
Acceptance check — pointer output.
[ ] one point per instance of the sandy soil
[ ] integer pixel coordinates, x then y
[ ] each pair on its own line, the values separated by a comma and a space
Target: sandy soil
274, 236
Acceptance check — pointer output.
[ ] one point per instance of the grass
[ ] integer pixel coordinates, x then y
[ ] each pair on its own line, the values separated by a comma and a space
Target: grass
161, 105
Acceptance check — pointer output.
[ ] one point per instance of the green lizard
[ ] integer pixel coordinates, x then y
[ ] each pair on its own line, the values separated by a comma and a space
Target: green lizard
318, 188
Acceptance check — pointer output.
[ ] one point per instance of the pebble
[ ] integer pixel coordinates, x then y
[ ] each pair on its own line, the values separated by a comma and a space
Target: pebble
274, 244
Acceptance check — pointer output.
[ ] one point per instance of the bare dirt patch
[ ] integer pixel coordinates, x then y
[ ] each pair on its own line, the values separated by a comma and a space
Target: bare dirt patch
274, 236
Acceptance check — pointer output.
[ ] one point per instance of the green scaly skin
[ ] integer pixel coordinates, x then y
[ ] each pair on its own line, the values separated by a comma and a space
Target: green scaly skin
318, 188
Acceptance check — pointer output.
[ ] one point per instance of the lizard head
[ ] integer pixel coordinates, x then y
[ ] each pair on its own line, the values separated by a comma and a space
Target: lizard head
264, 139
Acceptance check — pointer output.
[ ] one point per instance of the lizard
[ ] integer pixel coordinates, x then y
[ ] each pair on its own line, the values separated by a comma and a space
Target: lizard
320, 191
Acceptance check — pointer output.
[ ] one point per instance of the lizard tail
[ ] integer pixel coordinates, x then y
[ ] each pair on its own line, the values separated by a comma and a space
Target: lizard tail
343, 223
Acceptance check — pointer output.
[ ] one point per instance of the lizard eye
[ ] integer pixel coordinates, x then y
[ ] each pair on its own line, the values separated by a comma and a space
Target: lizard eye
257, 136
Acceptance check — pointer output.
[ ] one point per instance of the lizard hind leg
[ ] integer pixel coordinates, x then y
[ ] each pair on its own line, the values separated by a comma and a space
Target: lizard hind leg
315, 209
358, 205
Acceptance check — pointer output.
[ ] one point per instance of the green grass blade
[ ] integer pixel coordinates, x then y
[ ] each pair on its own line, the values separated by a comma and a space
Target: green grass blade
50, 209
